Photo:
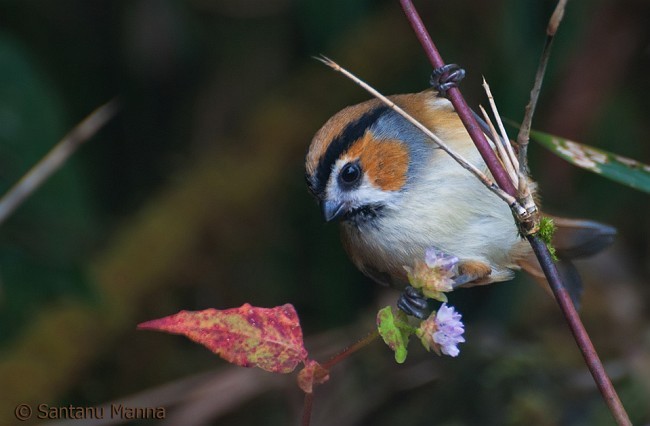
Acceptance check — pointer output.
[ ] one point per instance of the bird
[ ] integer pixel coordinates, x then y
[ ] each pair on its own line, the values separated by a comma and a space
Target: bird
395, 194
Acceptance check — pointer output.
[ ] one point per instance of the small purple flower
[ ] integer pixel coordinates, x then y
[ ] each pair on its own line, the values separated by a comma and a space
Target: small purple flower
449, 331
442, 331
435, 258
434, 276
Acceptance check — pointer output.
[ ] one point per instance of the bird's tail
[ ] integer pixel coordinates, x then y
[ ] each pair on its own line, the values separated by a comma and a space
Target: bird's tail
573, 239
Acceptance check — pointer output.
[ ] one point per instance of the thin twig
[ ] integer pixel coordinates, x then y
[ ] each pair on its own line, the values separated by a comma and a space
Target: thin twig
556, 18
503, 155
505, 141
54, 159
457, 100
511, 201
524, 130
525, 198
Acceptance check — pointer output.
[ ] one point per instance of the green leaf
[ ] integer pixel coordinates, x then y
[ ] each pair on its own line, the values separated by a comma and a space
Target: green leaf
615, 167
394, 329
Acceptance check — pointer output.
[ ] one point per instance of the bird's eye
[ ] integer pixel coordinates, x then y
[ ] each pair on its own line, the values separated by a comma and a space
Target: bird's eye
350, 174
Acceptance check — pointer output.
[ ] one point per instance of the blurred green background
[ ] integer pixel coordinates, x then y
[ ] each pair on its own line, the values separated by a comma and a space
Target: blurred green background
194, 197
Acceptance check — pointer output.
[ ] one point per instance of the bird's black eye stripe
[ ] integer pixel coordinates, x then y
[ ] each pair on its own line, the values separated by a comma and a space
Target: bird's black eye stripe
342, 143
350, 175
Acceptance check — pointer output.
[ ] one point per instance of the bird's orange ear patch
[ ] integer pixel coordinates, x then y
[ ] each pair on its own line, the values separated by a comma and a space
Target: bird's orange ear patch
385, 162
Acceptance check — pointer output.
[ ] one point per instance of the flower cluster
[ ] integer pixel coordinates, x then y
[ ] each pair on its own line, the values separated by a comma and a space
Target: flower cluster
435, 258
435, 275
442, 331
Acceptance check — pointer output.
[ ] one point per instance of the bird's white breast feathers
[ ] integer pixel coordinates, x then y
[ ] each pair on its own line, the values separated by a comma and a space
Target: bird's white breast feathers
448, 208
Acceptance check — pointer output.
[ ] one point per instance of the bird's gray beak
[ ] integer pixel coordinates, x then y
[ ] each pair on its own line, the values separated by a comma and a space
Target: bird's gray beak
332, 210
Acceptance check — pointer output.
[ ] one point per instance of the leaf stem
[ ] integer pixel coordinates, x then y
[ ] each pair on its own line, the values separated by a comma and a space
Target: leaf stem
351, 349
307, 407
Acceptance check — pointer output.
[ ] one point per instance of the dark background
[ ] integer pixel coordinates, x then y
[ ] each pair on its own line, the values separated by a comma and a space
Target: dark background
193, 197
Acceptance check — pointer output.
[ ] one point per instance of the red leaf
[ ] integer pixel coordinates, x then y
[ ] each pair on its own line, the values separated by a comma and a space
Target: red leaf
312, 374
270, 339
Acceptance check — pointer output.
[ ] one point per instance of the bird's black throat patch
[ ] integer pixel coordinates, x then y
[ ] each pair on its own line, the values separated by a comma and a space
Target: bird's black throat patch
364, 214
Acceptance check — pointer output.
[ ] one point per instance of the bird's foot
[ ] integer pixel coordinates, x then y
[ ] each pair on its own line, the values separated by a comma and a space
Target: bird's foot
414, 303
446, 77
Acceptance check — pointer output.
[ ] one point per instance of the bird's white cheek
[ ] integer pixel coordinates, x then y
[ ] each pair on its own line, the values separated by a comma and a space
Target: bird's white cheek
365, 194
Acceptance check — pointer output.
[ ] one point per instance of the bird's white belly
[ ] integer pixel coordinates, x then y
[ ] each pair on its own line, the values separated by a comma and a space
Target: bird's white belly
472, 224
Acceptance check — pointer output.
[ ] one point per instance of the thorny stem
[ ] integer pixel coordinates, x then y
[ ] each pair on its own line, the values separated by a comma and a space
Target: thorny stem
541, 251
457, 100
524, 131
54, 159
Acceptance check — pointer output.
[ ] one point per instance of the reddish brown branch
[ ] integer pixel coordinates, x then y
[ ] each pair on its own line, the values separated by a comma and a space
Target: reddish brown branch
457, 100
579, 333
